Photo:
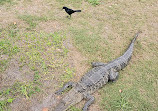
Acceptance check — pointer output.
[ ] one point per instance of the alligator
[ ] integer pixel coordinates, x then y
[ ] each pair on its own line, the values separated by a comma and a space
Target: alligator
99, 75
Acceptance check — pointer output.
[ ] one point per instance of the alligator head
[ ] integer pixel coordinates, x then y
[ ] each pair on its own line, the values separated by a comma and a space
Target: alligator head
72, 98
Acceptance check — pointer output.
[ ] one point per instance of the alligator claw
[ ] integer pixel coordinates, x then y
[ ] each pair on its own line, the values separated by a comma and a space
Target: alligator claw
58, 92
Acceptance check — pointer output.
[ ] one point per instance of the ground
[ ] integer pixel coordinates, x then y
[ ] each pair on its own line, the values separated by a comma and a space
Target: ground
41, 49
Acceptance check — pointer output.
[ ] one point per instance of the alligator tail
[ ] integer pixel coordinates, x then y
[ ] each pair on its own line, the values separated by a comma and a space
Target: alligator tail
136, 35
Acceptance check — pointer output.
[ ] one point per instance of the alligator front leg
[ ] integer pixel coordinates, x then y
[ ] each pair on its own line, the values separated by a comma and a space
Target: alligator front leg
113, 75
90, 99
68, 84
96, 64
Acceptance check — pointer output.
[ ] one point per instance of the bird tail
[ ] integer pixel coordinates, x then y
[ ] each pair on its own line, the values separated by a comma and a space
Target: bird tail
77, 10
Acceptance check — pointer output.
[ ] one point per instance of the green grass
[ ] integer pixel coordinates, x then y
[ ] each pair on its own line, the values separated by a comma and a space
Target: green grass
41, 48
7, 48
94, 2
7, 44
37, 78
18, 89
41, 52
32, 20
74, 109
90, 44
138, 89
12, 30
67, 76
5, 103
2, 2
75, 3
3, 65
78, 3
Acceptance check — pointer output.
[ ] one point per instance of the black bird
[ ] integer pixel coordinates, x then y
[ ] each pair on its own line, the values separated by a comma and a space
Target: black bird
70, 11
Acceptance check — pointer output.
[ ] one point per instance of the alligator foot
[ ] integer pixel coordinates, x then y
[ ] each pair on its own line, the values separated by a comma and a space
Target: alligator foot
90, 99
96, 64
113, 75
67, 85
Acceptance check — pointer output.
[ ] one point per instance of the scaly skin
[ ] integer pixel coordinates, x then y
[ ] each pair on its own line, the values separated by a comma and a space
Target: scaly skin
98, 76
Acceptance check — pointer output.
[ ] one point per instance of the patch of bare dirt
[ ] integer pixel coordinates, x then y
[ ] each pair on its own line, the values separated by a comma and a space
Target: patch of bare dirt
95, 106
4, 57
50, 26
12, 74
20, 104
46, 102
7, 18
34, 7
76, 60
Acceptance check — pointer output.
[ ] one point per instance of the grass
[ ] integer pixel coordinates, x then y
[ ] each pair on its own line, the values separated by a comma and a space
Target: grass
5, 103
18, 89
67, 76
94, 2
74, 109
41, 52
7, 48
77, 3
3, 65
32, 20
35, 53
135, 94
5, 1
90, 44
102, 34
6, 45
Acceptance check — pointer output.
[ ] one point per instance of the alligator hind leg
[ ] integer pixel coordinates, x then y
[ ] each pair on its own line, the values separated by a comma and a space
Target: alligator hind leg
96, 64
68, 84
90, 99
113, 75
